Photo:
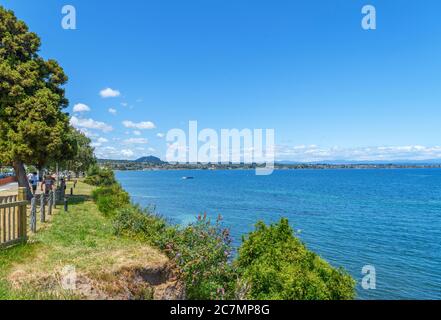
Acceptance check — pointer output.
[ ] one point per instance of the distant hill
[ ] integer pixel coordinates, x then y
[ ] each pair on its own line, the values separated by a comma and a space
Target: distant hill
150, 159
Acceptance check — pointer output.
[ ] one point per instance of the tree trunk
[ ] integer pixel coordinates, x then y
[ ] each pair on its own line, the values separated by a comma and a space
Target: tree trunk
23, 182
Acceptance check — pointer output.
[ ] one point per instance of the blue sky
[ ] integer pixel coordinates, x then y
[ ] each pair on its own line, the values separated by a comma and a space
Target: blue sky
330, 89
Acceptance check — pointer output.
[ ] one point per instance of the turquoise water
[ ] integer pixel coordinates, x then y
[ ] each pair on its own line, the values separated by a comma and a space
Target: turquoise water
390, 219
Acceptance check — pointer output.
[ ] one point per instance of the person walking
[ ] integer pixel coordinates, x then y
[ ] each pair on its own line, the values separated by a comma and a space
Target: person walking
48, 184
33, 182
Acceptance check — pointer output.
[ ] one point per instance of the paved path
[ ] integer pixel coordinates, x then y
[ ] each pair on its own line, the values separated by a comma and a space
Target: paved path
10, 188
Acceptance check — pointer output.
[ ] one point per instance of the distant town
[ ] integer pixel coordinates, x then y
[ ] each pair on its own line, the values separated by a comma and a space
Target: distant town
155, 163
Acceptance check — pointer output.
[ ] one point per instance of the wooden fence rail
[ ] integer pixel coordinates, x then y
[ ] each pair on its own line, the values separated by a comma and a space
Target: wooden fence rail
13, 220
8, 199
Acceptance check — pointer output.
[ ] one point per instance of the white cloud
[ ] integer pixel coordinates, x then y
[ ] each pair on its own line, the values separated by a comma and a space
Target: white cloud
137, 133
99, 142
127, 153
160, 135
152, 149
112, 111
136, 141
108, 152
88, 133
145, 125
313, 153
126, 105
109, 93
81, 107
90, 124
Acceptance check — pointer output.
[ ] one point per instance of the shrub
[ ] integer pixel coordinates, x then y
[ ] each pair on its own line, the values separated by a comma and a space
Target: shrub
111, 198
139, 223
99, 177
275, 265
202, 252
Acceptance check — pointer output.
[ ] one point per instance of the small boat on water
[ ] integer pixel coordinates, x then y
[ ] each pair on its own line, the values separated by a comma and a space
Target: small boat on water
187, 178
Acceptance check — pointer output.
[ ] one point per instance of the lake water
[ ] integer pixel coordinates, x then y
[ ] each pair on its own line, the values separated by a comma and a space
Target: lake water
390, 219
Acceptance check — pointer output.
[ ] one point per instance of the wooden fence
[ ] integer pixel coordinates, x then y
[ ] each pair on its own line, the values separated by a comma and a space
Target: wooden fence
13, 219
8, 199
13, 213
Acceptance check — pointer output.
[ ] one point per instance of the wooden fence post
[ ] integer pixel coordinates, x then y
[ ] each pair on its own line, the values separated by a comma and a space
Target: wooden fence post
42, 208
49, 203
34, 215
23, 214
54, 196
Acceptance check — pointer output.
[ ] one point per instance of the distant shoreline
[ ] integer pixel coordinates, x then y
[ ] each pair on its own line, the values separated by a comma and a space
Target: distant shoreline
334, 167
155, 163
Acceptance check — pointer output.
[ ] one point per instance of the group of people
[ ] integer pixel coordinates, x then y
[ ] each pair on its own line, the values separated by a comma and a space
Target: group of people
47, 183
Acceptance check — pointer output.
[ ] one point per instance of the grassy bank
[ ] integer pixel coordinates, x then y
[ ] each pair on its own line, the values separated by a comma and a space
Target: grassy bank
107, 266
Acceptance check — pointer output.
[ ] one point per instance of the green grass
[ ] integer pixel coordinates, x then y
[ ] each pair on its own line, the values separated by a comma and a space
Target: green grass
81, 237
8, 257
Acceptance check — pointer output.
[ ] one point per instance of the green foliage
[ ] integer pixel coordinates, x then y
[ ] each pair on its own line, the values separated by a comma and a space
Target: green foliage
274, 264
83, 157
33, 128
31, 169
202, 252
99, 177
110, 198
140, 223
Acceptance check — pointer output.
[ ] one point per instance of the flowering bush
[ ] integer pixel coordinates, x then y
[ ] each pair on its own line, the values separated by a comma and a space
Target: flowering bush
202, 251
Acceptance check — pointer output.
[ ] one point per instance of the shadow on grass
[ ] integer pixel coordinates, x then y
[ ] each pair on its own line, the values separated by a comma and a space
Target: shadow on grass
77, 199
